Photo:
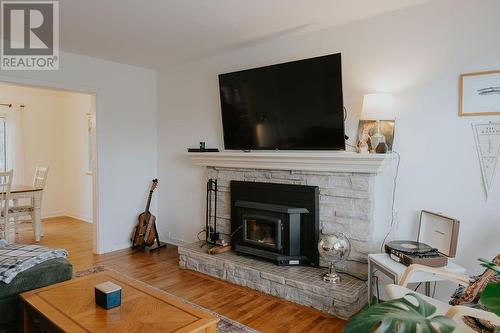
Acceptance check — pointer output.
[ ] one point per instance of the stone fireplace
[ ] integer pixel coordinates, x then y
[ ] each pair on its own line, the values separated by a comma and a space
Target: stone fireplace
350, 193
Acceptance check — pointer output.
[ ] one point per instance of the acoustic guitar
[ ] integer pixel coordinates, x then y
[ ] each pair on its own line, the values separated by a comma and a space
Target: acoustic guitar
145, 232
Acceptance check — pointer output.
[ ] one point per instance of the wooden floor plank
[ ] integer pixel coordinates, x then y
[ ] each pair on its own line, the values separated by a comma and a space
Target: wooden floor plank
160, 269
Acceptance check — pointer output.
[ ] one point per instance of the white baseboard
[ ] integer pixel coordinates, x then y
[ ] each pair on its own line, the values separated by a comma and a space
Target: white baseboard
53, 214
164, 237
106, 248
65, 214
77, 217
168, 238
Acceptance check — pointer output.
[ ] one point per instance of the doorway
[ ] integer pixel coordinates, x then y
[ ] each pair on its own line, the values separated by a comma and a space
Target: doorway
56, 129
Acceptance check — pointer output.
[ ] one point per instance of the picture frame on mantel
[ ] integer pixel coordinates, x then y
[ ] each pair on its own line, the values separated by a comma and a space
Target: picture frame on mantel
366, 128
479, 94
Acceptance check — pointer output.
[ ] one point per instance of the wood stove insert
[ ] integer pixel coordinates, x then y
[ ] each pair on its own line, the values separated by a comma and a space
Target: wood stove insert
277, 222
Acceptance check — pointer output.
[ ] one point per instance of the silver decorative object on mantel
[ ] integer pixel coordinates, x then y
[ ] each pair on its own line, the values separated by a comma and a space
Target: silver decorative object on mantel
334, 248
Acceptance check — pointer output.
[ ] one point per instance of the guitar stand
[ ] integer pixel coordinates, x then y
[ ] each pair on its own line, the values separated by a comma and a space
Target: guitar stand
156, 246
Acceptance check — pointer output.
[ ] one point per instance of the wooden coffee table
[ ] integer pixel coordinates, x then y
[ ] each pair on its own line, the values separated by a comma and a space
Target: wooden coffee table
70, 307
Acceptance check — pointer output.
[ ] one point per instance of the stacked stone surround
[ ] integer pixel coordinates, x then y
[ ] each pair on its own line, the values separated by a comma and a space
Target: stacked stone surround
346, 205
302, 285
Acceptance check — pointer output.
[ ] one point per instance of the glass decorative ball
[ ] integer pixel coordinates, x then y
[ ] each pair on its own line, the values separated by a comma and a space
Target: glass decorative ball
334, 247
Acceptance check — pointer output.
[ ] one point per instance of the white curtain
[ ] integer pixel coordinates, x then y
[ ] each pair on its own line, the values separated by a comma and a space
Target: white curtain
15, 143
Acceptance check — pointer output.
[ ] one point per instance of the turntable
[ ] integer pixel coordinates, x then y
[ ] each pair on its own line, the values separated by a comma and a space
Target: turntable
436, 242
410, 252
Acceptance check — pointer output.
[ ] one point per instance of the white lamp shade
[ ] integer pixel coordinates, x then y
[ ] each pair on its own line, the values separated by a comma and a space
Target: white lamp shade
378, 107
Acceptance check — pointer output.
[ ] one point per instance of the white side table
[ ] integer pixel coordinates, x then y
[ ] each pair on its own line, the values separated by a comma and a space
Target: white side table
394, 270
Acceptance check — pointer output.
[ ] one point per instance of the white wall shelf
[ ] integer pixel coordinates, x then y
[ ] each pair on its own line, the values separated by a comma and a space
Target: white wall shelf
304, 161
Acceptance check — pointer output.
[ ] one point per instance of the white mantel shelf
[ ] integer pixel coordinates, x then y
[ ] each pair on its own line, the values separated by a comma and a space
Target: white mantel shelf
304, 161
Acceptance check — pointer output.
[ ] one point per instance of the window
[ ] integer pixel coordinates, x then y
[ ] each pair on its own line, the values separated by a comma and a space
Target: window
3, 147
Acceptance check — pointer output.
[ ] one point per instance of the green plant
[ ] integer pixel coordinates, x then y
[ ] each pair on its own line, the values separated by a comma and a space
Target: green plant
490, 265
490, 298
403, 315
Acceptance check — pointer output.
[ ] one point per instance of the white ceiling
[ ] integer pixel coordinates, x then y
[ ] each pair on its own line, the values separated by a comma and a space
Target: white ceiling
161, 33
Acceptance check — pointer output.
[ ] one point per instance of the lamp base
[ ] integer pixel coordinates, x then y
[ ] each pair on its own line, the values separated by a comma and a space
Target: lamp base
377, 138
382, 148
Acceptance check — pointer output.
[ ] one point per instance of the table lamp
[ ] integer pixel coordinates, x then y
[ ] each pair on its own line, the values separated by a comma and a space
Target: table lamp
377, 107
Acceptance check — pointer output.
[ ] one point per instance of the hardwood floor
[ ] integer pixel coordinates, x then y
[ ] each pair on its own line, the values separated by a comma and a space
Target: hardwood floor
160, 269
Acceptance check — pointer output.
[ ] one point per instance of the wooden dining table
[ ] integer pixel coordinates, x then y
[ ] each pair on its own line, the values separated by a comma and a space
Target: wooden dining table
35, 194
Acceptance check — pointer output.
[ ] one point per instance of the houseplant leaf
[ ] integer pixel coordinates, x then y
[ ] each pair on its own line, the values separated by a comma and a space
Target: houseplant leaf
490, 298
490, 265
403, 315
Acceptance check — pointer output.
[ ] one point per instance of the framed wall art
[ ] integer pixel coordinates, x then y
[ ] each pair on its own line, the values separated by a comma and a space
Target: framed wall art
479, 94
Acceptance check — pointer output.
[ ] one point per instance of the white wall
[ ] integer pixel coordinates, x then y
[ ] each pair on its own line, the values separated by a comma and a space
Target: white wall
416, 53
77, 199
126, 135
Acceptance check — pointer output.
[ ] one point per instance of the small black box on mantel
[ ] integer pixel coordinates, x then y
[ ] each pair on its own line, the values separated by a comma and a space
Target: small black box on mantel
108, 295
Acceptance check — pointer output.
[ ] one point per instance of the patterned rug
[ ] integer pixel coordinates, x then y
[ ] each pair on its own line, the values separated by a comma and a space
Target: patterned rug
225, 325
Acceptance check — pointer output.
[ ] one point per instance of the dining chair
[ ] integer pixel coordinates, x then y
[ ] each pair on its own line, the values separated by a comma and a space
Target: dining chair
5, 186
16, 212
40, 179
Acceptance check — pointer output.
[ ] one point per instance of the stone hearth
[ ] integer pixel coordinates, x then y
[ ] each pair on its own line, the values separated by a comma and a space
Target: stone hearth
302, 285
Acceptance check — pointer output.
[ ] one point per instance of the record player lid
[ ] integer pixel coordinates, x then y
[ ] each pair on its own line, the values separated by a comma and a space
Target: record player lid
439, 231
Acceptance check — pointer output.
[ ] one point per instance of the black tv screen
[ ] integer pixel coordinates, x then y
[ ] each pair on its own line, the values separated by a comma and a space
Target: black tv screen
294, 105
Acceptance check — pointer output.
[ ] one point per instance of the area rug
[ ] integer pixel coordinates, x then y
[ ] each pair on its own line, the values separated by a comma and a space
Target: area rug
225, 325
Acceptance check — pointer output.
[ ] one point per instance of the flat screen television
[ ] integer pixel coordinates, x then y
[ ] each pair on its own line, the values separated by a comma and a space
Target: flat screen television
296, 105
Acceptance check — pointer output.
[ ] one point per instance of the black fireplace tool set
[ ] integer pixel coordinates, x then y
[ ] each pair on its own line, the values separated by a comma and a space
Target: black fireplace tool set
211, 234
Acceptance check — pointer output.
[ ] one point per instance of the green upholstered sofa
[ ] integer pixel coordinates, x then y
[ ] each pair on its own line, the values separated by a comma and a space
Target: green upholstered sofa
44, 274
